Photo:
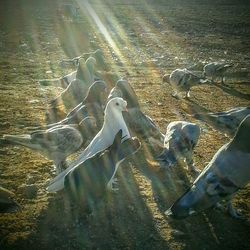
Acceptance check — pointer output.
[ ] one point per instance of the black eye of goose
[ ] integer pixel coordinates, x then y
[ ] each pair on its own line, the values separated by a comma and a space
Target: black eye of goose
117, 104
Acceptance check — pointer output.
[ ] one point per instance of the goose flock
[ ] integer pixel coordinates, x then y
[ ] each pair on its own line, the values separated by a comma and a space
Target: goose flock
106, 127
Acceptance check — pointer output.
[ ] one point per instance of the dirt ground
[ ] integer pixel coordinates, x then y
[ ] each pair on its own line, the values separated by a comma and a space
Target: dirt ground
141, 41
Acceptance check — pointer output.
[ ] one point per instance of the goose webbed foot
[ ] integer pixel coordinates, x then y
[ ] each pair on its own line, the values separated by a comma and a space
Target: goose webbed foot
111, 185
194, 172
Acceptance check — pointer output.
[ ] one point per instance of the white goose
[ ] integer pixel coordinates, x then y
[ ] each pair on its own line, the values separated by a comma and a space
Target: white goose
113, 122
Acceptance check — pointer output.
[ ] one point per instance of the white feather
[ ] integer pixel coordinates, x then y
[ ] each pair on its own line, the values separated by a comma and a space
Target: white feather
113, 122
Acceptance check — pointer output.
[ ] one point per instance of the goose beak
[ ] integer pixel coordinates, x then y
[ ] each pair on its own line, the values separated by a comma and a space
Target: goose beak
125, 106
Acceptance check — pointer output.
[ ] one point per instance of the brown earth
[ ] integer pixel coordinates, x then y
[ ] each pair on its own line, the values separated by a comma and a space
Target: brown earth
141, 42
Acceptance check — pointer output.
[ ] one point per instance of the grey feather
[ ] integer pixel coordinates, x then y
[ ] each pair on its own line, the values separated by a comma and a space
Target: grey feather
179, 142
113, 122
56, 143
227, 172
182, 80
226, 121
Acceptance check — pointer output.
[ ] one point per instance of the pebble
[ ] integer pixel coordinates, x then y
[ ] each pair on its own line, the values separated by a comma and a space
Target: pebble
34, 101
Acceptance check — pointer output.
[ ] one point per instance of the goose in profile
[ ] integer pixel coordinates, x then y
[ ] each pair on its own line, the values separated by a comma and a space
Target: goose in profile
182, 80
139, 123
225, 121
113, 122
215, 70
56, 143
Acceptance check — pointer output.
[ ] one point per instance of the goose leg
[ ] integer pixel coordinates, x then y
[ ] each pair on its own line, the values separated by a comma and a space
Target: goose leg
187, 95
222, 80
113, 181
191, 168
60, 166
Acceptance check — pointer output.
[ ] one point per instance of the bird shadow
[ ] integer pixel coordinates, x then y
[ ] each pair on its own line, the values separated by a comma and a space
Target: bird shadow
194, 107
230, 90
169, 184
120, 220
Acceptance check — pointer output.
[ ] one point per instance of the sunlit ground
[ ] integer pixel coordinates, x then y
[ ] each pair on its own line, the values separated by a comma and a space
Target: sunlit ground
141, 42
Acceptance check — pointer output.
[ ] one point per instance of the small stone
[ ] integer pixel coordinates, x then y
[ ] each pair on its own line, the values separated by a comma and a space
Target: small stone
34, 101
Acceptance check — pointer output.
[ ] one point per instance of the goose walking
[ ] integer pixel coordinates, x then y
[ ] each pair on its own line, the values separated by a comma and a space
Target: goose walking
216, 70
182, 80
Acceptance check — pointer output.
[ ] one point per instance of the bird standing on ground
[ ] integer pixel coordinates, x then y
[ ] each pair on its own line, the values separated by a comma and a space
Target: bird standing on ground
95, 100
180, 139
92, 106
86, 184
77, 89
113, 122
61, 82
226, 173
97, 54
139, 123
182, 80
56, 143
215, 69
64, 81
227, 121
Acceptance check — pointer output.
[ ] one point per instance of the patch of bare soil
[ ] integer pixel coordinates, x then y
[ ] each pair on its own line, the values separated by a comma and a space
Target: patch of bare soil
141, 41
